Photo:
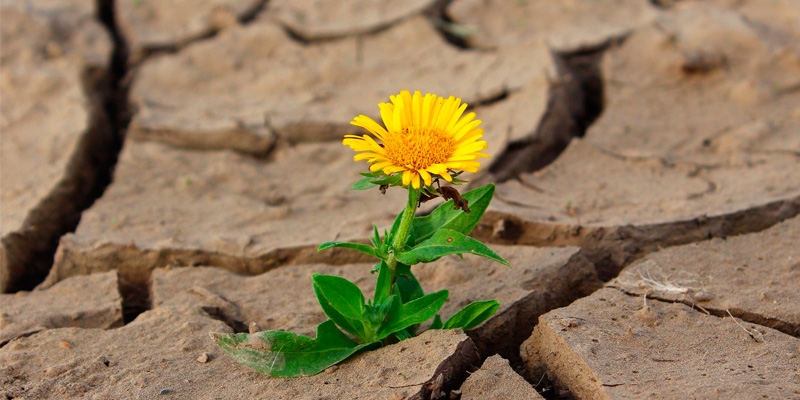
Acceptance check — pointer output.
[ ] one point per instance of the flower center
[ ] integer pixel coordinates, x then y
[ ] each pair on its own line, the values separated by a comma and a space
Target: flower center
418, 148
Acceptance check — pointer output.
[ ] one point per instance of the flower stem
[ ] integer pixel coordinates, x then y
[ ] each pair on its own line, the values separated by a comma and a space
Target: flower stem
401, 236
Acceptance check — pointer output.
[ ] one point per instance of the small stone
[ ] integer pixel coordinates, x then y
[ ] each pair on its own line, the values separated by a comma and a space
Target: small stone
702, 296
203, 358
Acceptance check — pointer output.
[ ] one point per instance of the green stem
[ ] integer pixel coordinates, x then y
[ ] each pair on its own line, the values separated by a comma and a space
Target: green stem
401, 236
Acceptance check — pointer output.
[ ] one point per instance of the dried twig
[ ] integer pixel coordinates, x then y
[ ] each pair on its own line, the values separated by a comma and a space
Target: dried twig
753, 333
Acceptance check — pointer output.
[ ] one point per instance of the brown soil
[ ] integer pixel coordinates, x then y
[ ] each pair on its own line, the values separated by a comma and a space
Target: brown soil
646, 156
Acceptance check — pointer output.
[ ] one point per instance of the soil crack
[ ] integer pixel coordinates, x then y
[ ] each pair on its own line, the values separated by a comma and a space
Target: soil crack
744, 315
575, 102
29, 255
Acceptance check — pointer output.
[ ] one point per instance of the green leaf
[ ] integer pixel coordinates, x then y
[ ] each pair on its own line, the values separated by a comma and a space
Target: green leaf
446, 217
472, 315
406, 285
376, 237
444, 242
437, 322
391, 180
408, 288
286, 354
383, 285
364, 248
343, 302
342, 294
363, 184
401, 316
403, 334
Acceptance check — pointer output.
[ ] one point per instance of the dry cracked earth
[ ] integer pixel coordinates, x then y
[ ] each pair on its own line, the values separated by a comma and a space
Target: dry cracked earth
168, 169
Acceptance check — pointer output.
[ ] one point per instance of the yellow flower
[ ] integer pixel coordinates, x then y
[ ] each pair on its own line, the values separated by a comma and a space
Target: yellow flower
424, 136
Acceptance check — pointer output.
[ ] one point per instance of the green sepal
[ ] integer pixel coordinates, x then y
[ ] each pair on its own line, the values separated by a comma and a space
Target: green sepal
286, 354
402, 316
363, 184
444, 242
376, 178
472, 315
343, 302
445, 217
390, 180
364, 248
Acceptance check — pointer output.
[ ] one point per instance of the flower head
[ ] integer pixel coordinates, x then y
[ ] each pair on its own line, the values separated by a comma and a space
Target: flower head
423, 136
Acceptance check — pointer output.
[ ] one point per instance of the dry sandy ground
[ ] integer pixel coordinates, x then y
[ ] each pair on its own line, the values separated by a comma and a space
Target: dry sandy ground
168, 169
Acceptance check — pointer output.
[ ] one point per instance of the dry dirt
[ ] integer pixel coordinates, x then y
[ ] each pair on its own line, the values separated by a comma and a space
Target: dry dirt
168, 169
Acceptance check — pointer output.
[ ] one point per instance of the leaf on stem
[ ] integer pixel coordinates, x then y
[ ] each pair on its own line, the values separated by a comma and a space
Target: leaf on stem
444, 242
363, 184
415, 312
343, 302
388, 180
364, 248
286, 354
445, 216
472, 315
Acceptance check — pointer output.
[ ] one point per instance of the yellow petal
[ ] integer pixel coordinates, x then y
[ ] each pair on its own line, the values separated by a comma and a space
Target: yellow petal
463, 122
368, 155
415, 179
437, 168
397, 117
456, 115
427, 107
406, 177
357, 144
470, 137
379, 166
470, 148
370, 125
402, 101
468, 166
387, 115
466, 157
446, 114
374, 146
426, 177
392, 169
416, 109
